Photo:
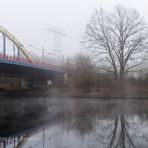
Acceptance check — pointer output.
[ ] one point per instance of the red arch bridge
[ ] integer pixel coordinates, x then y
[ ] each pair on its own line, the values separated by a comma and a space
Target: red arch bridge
21, 71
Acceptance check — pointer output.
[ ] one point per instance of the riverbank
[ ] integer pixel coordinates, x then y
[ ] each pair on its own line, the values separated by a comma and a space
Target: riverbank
66, 93
102, 94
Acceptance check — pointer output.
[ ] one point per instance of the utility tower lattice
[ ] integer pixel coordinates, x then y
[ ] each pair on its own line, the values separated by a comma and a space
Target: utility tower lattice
57, 40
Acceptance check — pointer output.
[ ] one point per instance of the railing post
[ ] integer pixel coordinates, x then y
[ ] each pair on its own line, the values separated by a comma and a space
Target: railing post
13, 50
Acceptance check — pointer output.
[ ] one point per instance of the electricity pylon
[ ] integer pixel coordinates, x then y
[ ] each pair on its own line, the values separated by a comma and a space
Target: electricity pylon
58, 33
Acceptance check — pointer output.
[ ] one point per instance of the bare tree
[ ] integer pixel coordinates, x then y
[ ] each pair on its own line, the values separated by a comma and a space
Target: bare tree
81, 72
119, 39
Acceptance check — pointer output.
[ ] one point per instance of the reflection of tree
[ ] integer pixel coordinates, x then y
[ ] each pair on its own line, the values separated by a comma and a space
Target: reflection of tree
83, 123
124, 140
84, 118
119, 132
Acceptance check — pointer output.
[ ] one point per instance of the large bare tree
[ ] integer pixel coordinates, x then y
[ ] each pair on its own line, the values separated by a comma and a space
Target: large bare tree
118, 39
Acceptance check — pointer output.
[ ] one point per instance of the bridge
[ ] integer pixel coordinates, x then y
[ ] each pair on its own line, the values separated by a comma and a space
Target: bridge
22, 69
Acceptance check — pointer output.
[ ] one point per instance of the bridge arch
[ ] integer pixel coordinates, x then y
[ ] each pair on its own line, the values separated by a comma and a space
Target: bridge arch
15, 41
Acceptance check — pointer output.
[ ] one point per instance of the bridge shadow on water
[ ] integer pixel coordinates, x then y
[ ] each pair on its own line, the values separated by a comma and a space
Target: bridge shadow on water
65, 122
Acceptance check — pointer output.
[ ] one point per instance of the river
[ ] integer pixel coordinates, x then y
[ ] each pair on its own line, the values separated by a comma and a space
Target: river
73, 123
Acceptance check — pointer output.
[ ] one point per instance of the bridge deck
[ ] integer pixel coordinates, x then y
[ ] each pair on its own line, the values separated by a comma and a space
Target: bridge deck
29, 69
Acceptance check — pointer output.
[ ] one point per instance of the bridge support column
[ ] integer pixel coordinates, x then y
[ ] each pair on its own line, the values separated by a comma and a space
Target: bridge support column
41, 84
18, 52
13, 50
4, 44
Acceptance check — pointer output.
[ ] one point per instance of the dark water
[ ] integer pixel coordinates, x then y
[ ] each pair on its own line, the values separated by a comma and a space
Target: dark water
73, 123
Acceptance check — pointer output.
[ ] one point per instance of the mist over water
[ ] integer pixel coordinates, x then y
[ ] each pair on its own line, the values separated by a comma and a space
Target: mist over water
70, 123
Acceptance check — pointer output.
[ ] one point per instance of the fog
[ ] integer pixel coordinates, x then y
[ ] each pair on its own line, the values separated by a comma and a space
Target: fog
28, 20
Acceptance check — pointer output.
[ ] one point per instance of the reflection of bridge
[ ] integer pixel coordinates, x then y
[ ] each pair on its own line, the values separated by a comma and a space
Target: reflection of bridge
22, 66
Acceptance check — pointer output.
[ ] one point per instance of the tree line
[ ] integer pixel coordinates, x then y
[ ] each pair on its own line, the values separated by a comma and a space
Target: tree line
118, 43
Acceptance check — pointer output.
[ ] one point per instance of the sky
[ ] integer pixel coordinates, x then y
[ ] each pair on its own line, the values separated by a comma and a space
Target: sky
28, 20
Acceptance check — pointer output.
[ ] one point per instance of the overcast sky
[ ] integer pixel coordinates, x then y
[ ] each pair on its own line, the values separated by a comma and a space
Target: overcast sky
28, 19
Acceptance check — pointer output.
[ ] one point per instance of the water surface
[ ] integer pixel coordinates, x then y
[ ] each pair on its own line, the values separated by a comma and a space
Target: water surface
73, 123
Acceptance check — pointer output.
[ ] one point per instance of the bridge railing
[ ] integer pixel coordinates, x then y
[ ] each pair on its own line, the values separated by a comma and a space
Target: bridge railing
32, 62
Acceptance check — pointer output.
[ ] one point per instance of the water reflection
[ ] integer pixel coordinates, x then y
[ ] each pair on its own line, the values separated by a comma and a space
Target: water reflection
122, 132
70, 123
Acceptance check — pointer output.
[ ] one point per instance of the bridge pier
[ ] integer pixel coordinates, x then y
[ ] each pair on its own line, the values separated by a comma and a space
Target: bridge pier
38, 84
17, 83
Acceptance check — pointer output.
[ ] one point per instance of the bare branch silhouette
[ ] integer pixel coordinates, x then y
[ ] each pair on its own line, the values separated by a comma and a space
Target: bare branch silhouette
120, 37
